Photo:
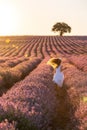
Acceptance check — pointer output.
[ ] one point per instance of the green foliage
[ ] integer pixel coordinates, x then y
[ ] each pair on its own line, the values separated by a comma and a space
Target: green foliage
23, 123
61, 28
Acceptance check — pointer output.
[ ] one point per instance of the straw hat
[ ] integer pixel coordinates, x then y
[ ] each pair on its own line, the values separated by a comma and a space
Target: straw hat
54, 62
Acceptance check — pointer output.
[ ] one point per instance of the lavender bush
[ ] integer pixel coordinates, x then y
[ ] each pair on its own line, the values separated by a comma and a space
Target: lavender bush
5, 125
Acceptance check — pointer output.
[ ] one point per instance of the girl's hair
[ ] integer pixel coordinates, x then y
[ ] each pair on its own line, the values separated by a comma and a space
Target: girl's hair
57, 61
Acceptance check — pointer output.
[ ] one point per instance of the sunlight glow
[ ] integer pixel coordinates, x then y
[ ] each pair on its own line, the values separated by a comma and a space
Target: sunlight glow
8, 18
84, 99
26, 55
13, 45
7, 40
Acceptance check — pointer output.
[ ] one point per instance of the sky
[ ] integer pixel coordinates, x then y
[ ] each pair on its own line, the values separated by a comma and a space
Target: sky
36, 17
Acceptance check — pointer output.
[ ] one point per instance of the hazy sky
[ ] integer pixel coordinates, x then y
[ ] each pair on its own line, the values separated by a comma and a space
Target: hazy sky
36, 17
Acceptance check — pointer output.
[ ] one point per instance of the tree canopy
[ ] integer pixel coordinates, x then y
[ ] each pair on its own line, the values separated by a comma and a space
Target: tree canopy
61, 27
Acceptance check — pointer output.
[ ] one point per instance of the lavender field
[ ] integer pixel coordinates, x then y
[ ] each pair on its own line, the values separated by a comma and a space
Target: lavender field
29, 99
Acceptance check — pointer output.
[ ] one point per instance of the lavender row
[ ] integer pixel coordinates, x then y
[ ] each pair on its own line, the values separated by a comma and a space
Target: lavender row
30, 97
79, 61
7, 62
11, 75
75, 80
44, 46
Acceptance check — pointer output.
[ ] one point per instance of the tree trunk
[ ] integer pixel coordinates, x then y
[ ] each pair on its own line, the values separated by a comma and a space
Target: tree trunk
61, 33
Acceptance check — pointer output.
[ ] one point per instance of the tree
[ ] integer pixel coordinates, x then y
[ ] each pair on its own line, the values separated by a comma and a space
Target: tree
61, 28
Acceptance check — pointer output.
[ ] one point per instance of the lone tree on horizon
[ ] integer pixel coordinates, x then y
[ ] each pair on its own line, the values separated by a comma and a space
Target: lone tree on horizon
61, 27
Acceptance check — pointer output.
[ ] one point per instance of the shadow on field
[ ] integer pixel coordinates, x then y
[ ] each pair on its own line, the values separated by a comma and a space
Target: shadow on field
68, 101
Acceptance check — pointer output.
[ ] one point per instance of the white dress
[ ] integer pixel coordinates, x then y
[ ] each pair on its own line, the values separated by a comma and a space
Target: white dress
58, 77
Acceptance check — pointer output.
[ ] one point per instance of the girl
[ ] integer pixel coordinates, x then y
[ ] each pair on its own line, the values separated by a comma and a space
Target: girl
58, 77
